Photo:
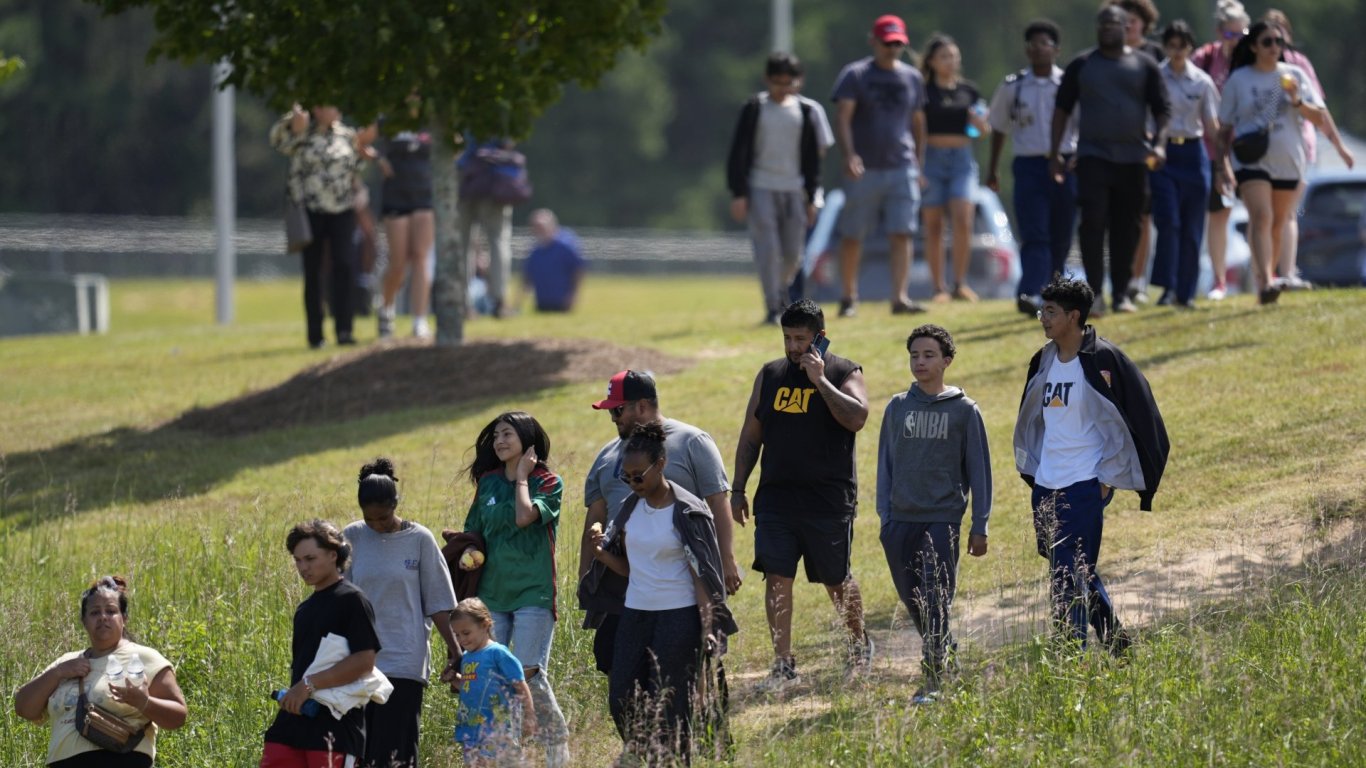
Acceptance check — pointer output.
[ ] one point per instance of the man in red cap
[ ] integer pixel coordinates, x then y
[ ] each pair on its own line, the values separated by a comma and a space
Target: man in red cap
880, 129
693, 462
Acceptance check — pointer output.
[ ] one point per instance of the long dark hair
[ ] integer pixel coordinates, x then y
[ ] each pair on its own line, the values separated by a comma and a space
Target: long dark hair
1245, 52
937, 40
529, 432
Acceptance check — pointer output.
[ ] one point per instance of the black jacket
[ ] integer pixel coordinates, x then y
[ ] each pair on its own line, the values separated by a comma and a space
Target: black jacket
741, 157
1110, 373
603, 591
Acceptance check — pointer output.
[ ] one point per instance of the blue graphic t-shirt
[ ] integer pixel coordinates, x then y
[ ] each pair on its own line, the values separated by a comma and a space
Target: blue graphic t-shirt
486, 690
885, 100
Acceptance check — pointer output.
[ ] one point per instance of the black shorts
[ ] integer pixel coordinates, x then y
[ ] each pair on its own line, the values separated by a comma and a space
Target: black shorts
406, 210
824, 544
1216, 197
1252, 174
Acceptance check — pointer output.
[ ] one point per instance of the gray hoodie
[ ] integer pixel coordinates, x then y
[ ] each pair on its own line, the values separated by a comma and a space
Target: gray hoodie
932, 450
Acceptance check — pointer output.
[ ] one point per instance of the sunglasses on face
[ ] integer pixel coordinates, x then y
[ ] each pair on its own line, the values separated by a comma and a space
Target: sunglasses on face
1268, 42
617, 411
634, 480
891, 43
1233, 34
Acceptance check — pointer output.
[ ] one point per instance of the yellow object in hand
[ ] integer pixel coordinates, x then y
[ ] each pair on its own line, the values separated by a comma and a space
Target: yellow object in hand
596, 528
1287, 80
471, 559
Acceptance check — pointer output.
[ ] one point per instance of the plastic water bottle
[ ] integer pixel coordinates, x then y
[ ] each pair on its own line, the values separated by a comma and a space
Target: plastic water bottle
137, 673
113, 672
311, 707
979, 109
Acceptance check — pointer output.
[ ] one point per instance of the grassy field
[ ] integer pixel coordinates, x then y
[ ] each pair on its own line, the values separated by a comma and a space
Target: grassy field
1246, 579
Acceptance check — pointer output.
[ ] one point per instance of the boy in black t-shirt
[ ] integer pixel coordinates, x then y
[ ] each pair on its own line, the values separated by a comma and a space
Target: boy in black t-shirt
335, 607
802, 414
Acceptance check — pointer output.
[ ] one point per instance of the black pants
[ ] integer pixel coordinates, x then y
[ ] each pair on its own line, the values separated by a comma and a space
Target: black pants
1111, 197
653, 678
333, 233
392, 728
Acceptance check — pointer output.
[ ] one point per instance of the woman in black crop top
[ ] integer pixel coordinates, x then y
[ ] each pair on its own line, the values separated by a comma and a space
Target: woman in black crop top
954, 116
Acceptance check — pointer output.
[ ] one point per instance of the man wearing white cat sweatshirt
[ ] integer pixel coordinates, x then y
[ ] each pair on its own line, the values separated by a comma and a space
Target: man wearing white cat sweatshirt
932, 452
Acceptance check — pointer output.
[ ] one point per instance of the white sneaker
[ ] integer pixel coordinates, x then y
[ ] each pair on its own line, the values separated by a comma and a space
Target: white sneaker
421, 329
386, 322
782, 675
1217, 293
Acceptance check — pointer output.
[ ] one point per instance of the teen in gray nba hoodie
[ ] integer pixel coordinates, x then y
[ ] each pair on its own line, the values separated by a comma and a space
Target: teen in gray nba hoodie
931, 453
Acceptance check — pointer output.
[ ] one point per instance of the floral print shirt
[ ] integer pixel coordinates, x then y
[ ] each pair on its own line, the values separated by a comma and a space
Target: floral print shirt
322, 165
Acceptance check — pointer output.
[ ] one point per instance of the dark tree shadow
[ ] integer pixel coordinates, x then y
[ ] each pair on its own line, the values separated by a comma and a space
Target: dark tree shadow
350, 400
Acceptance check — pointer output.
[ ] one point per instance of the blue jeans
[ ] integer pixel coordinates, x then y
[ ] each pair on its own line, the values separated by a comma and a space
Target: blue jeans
1180, 193
950, 173
923, 558
1068, 524
527, 632
1045, 214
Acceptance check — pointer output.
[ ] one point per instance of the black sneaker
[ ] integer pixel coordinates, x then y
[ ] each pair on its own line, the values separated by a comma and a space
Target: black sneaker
1269, 295
1028, 305
848, 308
345, 340
906, 308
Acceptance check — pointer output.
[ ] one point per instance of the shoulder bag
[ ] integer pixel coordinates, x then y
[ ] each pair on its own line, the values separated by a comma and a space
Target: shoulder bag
103, 728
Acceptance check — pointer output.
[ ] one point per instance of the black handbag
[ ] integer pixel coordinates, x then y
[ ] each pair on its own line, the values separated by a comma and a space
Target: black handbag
105, 729
1251, 146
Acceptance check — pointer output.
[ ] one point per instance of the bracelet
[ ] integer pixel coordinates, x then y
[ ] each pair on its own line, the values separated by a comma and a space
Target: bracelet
522, 482
309, 684
1297, 104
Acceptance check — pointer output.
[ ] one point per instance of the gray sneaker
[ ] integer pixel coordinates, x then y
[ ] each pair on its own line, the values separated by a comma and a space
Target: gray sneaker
386, 322
859, 659
781, 676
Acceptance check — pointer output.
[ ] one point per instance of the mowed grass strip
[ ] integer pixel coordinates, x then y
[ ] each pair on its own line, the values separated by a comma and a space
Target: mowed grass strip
1264, 407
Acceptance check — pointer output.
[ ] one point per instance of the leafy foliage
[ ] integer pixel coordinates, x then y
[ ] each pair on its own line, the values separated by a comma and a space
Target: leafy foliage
485, 66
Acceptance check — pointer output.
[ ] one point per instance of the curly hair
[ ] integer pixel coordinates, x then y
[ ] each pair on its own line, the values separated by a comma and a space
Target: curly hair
107, 586
938, 333
377, 483
647, 439
1070, 295
1143, 9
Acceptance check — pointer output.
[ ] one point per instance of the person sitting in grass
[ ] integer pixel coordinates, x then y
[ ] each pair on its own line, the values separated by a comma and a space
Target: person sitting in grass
1088, 424
931, 453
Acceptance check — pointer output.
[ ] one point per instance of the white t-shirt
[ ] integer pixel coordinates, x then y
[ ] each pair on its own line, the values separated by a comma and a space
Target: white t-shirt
1071, 443
778, 142
1252, 100
660, 577
66, 742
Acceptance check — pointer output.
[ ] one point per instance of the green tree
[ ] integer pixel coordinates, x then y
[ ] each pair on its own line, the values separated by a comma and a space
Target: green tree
486, 67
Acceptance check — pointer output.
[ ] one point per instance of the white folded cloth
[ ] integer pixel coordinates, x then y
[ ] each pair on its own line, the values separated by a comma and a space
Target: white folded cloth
344, 698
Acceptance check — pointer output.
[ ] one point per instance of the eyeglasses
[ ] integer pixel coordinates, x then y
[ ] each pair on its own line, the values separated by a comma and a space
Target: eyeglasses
1267, 42
1233, 34
1048, 312
635, 479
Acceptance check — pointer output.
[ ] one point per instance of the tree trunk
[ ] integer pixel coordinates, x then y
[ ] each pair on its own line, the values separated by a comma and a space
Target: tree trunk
449, 290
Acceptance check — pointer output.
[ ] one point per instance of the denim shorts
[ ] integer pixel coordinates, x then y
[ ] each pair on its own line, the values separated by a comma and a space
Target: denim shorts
951, 175
891, 194
527, 632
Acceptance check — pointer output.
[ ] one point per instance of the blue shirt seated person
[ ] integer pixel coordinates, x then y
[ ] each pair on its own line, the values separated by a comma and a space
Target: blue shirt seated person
554, 268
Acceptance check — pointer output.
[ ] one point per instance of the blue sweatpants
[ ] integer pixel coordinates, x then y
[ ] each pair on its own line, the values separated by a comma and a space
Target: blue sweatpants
1180, 193
923, 558
1068, 523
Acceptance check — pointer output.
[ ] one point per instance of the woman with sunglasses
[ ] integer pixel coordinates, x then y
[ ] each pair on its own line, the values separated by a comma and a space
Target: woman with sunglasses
516, 509
1263, 93
663, 540
1231, 20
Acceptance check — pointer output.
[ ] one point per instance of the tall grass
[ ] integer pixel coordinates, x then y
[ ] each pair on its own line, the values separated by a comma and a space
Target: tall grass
1256, 661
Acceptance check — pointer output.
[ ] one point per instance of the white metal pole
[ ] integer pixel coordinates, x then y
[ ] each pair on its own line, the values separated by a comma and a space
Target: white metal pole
224, 195
782, 25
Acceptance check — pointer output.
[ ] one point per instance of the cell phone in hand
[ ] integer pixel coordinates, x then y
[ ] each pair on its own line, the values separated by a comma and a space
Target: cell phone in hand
821, 344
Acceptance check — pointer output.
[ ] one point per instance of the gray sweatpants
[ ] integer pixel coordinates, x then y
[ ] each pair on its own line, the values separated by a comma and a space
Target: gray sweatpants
495, 221
777, 228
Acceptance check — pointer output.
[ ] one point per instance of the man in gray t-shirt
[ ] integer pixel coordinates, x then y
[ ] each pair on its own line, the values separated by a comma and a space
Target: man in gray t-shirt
880, 126
692, 461
1116, 88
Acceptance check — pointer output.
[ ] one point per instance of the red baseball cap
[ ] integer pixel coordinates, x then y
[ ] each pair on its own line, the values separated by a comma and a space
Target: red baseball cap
890, 29
626, 387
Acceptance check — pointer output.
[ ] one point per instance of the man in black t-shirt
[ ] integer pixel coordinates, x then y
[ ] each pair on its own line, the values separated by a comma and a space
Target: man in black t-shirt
336, 606
802, 416
1117, 89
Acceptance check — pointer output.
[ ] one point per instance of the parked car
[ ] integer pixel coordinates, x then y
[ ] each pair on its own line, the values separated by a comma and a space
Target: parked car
1331, 215
993, 267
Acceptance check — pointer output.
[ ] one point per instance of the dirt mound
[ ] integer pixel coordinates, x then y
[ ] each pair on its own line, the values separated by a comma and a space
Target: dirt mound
413, 374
